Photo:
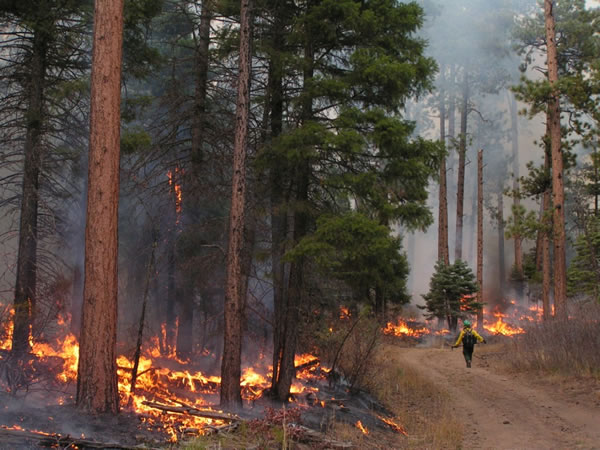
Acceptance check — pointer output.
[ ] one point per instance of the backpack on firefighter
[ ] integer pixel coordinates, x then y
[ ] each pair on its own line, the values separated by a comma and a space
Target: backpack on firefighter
469, 339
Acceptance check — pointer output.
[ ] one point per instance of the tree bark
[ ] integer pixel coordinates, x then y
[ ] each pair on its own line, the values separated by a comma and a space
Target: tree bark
26, 279
451, 112
97, 371
460, 187
501, 259
480, 236
279, 199
142, 322
546, 220
443, 252
558, 200
232, 342
515, 168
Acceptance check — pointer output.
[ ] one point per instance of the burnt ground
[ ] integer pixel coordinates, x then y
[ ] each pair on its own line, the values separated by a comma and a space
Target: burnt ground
125, 429
504, 410
32, 413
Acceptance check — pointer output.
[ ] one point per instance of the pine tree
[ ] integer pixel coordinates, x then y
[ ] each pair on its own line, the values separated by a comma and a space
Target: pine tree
343, 136
97, 370
450, 295
584, 272
234, 295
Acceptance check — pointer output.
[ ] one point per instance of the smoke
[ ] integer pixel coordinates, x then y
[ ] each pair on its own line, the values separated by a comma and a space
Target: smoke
471, 41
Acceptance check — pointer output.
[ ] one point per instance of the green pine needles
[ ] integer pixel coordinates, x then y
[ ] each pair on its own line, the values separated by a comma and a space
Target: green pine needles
450, 295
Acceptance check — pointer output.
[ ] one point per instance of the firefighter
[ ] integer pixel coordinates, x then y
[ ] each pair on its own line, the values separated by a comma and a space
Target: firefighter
469, 337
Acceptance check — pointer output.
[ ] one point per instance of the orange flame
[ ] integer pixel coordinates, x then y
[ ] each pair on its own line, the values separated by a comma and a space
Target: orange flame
401, 328
394, 426
361, 427
176, 190
162, 377
501, 327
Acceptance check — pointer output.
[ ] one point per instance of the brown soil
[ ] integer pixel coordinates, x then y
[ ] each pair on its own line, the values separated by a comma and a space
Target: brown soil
503, 410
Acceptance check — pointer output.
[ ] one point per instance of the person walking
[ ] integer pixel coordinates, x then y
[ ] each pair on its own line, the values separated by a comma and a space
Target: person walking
468, 337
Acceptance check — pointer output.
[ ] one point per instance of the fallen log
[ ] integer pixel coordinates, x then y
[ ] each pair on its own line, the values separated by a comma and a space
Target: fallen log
221, 429
192, 411
308, 364
54, 440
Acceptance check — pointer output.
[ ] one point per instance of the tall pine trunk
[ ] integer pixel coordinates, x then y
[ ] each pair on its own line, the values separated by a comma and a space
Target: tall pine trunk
460, 186
202, 61
234, 311
501, 259
26, 279
97, 371
514, 137
546, 220
480, 236
280, 196
558, 198
443, 252
170, 313
286, 352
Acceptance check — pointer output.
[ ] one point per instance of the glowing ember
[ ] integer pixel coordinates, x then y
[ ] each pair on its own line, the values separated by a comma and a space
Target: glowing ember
401, 328
344, 313
361, 427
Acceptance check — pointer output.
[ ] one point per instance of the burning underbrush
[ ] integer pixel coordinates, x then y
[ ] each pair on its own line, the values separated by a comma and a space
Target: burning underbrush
171, 399
505, 319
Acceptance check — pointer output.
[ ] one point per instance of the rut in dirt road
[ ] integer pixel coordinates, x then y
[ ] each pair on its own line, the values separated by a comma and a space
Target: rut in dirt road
501, 411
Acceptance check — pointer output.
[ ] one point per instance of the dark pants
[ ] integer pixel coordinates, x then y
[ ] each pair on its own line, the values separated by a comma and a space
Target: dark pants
468, 354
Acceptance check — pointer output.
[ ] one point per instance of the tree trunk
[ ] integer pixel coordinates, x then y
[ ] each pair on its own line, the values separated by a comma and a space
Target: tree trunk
515, 168
25, 286
501, 259
171, 315
199, 116
443, 252
234, 312
472, 241
97, 372
460, 187
451, 113
185, 323
546, 220
558, 199
480, 236
142, 322
286, 352
279, 200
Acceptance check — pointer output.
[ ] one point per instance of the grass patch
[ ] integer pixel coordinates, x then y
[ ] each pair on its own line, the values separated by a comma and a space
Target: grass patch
569, 348
422, 409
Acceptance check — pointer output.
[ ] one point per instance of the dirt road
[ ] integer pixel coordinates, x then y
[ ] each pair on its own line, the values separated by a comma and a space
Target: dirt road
507, 411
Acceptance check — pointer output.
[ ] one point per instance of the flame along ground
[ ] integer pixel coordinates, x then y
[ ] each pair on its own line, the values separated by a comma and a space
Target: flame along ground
170, 381
494, 322
164, 380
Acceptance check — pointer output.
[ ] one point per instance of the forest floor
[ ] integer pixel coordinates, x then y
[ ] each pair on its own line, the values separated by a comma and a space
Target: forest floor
501, 409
